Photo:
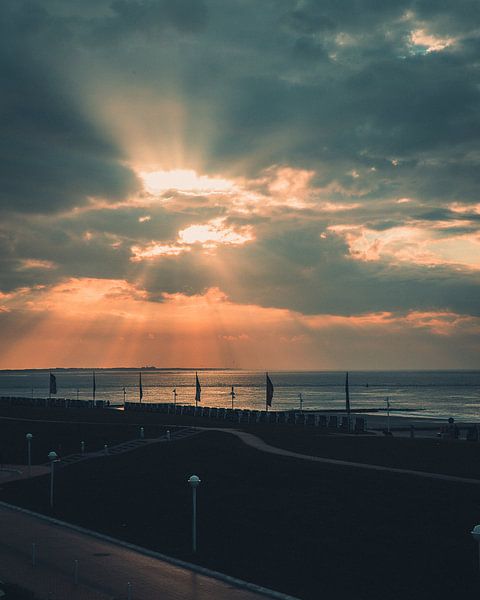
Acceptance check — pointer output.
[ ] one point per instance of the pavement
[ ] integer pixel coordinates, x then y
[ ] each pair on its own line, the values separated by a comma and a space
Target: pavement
105, 569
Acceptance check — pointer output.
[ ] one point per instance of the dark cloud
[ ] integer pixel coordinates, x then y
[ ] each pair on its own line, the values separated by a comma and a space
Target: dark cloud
339, 88
52, 156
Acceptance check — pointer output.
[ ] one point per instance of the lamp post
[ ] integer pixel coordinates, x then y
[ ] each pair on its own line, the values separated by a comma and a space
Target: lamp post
387, 400
53, 457
194, 482
29, 437
476, 536
300, 397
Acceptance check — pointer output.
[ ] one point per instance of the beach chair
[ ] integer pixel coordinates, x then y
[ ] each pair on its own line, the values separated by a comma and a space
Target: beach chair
291, 418
333, 422
300, 419
272, 417
262, 416
281, 418
310, 420
245, 417
322, 421
360, 425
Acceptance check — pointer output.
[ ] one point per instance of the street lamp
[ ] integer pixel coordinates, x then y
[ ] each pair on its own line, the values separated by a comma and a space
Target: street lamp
29, 437
194, 482
476, 536
53, 458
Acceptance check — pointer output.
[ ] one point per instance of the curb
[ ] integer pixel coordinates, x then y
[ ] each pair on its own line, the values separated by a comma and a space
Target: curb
239, 583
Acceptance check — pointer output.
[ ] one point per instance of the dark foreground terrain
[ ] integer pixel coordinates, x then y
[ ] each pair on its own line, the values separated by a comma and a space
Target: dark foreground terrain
311, 530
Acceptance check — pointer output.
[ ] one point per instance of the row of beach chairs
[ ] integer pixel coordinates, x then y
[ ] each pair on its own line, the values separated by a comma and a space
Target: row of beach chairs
52, 402
249, 417
237, 415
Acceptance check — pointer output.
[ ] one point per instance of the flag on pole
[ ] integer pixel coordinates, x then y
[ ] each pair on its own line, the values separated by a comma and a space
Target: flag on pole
53, 384
198, 389
140, 386
347, 395
94, 388
269, 396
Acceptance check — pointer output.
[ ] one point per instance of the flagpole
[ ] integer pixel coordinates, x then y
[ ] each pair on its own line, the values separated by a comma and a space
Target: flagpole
232, 394
175, 397
347, 400
266, 394
388, 414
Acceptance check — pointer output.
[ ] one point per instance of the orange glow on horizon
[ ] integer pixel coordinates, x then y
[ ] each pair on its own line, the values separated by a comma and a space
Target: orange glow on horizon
104, 323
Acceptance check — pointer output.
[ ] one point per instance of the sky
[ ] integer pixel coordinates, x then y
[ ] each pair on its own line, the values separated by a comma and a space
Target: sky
288, 184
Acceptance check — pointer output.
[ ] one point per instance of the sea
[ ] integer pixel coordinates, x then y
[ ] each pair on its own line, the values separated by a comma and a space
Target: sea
422, 394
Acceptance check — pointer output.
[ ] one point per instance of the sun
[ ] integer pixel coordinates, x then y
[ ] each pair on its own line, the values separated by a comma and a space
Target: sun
184, 180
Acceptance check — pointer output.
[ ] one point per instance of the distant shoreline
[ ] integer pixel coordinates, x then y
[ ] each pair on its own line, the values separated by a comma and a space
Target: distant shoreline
237, 369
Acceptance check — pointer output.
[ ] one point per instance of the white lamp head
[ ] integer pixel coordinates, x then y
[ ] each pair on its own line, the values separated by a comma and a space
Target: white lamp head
476, 533
194, 481
52, 456
29, 436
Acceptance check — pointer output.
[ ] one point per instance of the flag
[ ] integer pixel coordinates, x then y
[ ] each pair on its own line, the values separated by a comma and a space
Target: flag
269, 397
232, 393
140, 386
94, 386
347, 395
198, 389
53, 384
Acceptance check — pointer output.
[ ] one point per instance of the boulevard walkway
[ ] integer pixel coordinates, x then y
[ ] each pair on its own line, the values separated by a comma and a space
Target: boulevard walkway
259, 444
104, 568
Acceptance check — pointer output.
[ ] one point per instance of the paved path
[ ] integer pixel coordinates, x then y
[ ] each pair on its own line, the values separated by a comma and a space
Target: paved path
105, 568
259, 444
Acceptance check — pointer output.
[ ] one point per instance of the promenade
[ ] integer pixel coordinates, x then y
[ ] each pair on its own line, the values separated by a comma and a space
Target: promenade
104, 568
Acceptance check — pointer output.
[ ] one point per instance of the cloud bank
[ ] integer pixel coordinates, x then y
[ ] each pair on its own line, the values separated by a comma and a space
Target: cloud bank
311, 161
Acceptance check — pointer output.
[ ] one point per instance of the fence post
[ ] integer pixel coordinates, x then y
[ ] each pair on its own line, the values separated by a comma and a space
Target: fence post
75, 572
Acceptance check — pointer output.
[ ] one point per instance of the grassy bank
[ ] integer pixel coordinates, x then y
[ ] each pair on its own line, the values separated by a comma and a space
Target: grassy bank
63, 438
449, 457
306, 529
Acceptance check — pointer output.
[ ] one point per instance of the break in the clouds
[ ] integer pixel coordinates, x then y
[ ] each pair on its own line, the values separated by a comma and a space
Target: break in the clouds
303, 174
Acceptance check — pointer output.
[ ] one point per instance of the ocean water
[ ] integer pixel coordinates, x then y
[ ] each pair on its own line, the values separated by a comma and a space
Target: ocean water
439, 394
